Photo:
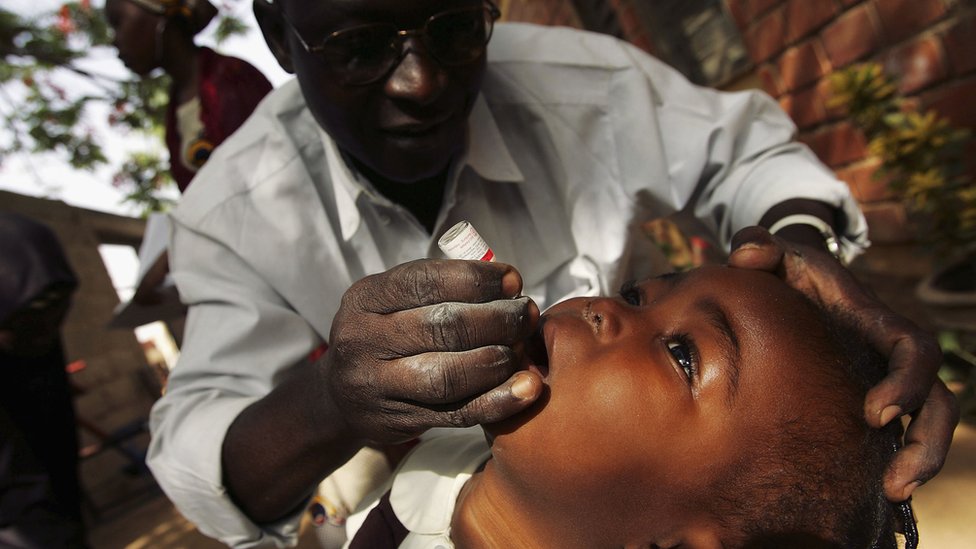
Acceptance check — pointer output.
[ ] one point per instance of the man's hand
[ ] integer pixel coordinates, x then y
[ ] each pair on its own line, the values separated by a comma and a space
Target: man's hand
425, 344
429, 344
911, 386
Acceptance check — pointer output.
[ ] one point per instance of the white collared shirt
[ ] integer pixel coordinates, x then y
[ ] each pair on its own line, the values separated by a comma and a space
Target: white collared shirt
425, 487
576, 140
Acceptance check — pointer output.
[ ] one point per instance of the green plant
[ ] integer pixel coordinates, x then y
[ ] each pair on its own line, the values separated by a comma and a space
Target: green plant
921, 154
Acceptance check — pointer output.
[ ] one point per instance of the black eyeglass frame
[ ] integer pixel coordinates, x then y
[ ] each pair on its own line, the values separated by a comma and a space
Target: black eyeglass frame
400, 35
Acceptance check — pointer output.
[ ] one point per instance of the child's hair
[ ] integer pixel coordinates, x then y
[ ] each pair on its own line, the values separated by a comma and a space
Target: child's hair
816, 481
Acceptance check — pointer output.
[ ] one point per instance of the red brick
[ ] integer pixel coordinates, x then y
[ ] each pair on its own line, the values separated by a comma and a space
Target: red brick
917, 65
644, 43
746, 11
766, 38
803, 17
562, 14
954, 101
770, 79
801, 65
759, 7
903, 18
867, 188
740, 12
630, 21
852, 36
888, 223
837, 145
805, 108
960, 43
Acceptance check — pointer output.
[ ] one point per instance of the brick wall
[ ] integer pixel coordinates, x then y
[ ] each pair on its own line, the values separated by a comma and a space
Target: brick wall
925, 44
796, 45
543, 12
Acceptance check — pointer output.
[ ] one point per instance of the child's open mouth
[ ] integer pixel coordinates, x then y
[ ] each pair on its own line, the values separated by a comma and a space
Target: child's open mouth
535, 354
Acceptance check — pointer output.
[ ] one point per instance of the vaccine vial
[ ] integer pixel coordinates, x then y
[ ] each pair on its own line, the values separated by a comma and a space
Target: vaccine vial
462, 241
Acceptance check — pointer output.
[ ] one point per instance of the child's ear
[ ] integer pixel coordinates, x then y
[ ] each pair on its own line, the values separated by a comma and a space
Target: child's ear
273, 28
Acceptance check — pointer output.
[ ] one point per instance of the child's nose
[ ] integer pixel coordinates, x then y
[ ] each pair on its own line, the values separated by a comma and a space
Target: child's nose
603, 314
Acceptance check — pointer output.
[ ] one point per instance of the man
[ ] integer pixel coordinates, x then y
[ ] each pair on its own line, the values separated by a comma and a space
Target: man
556, 145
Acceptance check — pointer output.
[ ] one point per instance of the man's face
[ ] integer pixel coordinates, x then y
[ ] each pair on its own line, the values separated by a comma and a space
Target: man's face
651, 395
408, 125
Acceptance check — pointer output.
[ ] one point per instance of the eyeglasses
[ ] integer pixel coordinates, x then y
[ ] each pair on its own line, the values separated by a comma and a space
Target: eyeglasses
364, 54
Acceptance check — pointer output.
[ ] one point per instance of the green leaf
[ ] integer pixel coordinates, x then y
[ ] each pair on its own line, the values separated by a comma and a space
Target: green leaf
228, 26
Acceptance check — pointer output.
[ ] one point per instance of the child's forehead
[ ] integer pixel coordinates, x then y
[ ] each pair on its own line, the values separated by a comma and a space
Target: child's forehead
742, 291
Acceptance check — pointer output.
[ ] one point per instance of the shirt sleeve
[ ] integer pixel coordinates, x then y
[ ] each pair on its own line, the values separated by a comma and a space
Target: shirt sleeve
732, 156
240, 338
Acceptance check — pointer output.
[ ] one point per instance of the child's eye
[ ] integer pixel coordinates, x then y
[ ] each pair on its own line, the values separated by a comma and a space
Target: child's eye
631, 293
684, 352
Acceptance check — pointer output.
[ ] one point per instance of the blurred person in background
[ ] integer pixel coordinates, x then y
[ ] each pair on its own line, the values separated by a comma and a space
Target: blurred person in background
40, 494
211, 95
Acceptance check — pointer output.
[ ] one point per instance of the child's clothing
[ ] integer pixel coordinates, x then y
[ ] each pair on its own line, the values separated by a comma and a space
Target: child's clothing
415, 513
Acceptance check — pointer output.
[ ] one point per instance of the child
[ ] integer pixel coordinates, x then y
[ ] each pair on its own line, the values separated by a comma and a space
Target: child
714, 408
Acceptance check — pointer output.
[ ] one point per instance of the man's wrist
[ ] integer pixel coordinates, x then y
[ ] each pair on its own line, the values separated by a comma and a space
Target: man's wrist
808, 222
806, 227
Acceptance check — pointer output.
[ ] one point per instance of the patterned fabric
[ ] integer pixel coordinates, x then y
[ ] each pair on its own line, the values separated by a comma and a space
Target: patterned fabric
230, 89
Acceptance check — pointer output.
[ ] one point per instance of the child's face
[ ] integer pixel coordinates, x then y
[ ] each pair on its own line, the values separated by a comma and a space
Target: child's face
652, 394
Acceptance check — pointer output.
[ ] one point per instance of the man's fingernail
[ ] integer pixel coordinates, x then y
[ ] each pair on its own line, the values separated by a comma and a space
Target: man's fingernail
748, 245
890, 413
523, 387
512, 284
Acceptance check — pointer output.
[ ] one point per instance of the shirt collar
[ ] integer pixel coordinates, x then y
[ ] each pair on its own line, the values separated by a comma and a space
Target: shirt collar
346, 187
427, 484
486, 154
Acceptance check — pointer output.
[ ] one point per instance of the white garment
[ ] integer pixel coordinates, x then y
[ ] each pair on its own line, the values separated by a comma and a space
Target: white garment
190, 127
576, 140
425, 487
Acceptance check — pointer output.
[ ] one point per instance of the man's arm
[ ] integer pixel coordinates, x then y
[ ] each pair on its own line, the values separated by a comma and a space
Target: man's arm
240, 339
793, 220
